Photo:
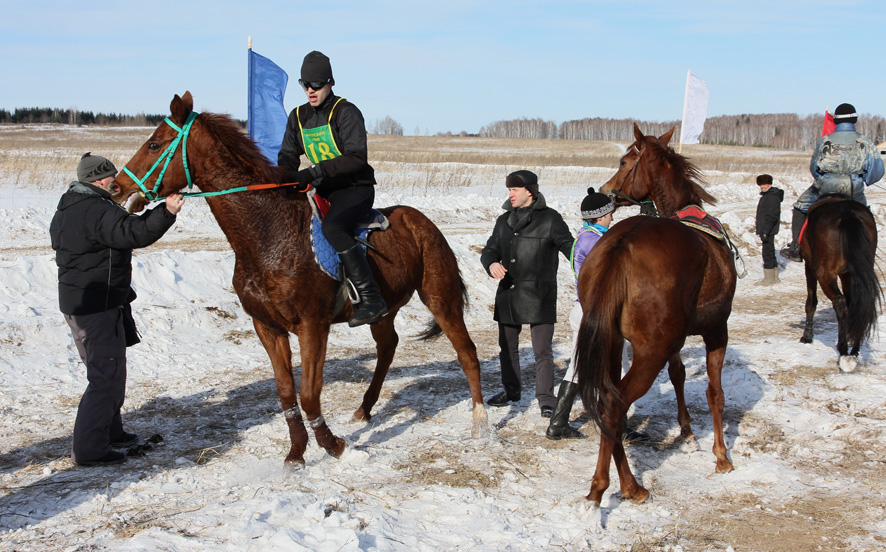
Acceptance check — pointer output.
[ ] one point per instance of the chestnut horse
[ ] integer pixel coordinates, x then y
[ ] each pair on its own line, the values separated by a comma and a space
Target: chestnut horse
840, 242
659, 282
275, 276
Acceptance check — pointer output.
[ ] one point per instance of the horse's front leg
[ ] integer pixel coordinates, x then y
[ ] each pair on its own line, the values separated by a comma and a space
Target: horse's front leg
276, 343
677, 373
811, 303
386, 340
312, 338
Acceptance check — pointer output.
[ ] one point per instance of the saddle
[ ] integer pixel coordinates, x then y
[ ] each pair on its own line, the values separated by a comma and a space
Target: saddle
697, 218
324, 255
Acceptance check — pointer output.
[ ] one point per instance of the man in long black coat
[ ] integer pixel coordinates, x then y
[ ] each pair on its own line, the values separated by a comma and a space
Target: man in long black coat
522, 254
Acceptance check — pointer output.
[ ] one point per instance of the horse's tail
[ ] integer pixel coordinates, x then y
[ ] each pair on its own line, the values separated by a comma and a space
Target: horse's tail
599, 345
433, 329
865, 295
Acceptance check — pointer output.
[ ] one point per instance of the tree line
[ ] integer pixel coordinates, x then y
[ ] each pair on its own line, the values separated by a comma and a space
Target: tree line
27, 115
777, 130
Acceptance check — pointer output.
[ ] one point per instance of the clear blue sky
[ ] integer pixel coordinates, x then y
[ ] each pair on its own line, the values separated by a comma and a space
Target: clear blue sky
454, 65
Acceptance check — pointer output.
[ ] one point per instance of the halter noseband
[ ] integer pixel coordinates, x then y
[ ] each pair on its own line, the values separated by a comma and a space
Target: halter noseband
182, 139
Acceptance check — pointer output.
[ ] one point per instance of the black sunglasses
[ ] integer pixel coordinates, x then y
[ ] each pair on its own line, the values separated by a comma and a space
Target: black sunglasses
314, 85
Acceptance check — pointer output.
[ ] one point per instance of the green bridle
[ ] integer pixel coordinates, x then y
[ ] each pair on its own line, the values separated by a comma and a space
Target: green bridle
182, 138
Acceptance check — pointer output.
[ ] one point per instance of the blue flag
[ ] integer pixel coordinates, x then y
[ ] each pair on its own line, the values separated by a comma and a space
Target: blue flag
266, 119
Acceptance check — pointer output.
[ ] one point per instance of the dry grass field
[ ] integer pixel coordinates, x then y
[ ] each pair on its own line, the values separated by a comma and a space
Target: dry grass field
45, 155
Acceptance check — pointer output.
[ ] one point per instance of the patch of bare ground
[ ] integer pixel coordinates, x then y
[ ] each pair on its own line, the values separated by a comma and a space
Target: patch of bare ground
440, 463
746, 523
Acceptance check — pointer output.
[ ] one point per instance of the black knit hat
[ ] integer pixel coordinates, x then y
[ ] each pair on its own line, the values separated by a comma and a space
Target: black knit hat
596, 205
845, 113
764, 179
94, 167
316, 68
523, 179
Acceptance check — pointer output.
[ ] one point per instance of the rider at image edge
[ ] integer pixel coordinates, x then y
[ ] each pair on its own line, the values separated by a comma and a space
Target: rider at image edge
843, 163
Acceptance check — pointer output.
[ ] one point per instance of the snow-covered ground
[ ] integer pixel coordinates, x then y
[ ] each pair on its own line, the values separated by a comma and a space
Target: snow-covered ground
806, 440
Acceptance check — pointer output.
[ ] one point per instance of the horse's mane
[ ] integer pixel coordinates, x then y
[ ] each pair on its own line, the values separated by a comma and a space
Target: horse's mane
242, 152
692, 177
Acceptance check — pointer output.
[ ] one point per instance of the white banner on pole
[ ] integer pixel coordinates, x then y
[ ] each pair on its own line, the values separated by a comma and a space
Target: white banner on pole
695, 109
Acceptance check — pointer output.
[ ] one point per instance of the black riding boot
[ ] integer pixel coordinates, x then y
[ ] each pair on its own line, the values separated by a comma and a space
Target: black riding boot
371, 306
559, 427
792, 251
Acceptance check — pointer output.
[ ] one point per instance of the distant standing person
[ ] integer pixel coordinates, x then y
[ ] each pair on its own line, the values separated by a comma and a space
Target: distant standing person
93, 239
596, 213
768, 221
843, 163
521, 254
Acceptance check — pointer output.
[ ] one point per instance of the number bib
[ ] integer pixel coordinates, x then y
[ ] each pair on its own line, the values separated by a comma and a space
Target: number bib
319, 142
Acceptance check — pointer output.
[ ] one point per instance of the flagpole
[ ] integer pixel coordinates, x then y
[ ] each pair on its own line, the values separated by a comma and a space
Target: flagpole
683, 120
249, 117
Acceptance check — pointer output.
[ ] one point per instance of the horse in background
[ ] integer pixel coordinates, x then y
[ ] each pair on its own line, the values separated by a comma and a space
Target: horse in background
662, 281
276, 278
839, 242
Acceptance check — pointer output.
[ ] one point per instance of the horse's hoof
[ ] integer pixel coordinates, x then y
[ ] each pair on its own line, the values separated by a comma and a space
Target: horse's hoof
480, 425
639, 496
294, 463
361, 416
338, 448
848, 363
724, 466
805, 339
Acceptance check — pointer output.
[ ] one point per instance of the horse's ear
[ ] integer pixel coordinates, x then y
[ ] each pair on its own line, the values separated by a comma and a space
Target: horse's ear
180, 107
666, 137
637, 134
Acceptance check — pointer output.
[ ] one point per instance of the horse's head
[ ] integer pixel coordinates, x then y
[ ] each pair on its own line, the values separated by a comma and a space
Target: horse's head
633, 182
159, 166
651, 170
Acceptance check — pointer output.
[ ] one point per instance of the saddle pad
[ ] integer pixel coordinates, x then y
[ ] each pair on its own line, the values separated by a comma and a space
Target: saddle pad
697, 218
324, 254
802, 232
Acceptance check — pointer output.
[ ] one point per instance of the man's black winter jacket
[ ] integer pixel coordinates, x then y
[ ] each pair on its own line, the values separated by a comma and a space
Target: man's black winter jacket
93, 239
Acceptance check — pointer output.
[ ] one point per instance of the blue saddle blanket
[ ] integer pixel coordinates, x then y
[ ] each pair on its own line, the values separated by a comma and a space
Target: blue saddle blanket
324, 254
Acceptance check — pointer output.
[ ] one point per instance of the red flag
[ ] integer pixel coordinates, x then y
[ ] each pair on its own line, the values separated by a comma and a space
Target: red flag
828, 126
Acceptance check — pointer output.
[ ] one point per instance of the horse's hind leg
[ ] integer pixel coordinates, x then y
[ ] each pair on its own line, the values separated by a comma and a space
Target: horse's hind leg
677, 373
276, 343
811, 303
312, 337
634, 385
449, 314
715, 344
386, 340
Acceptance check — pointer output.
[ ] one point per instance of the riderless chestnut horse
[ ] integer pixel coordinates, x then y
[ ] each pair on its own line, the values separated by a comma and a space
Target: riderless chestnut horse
658, 281
840, 242
275, 276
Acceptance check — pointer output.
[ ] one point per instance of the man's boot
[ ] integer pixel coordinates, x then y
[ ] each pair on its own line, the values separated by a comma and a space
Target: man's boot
559, 427
770, 277
371, 306
792, 251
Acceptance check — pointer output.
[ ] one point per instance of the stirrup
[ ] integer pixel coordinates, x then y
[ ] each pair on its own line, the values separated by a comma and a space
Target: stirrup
353, 295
